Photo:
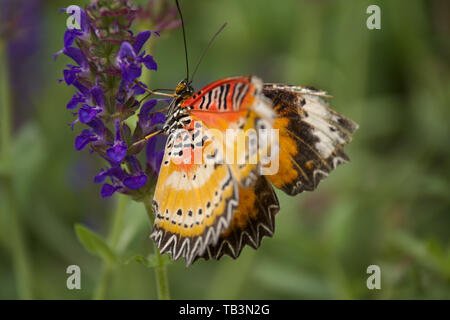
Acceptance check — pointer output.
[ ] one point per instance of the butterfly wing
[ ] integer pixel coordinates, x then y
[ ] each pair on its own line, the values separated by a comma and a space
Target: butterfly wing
194, 200
253, 219
312, 137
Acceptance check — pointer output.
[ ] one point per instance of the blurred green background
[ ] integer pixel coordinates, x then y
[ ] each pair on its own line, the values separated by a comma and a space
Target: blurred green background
390, 206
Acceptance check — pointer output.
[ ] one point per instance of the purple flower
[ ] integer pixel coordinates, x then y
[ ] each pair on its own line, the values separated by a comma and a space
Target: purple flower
119, 149
108, 190
135, 182
116, 175
99, 97
87, 113
130, 61
120, 180
72, 73
76, 55
75, 101
107, 61
138, 178
138, 89
148, 119
95, 134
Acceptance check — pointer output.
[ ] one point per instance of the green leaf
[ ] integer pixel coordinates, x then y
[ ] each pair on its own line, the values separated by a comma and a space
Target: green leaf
94, 244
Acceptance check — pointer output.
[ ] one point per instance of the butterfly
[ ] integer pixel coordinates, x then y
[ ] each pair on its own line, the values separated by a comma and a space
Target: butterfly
210, 207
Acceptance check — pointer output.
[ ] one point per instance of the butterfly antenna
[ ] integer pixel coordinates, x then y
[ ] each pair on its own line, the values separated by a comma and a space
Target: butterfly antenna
206, 49
184, 38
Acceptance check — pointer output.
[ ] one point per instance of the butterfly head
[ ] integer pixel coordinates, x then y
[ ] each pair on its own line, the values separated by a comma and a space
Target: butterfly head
184, 89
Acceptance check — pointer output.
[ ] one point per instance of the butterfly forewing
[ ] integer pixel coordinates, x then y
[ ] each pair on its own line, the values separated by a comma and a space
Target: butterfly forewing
312, 137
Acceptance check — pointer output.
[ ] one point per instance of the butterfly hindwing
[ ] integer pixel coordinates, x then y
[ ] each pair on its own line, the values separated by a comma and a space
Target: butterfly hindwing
253, 219
312, 137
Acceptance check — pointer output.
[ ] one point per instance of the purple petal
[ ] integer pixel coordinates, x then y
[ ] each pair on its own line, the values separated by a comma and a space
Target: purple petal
141, 38
157, 118
98, 127
100, 177
135, 182
117, 152
134, 163
97, 93
69, 37
138, 90
117, 126
108, 190
147, 107
73, 124
77, 55
83, 139
86, 114
81, 88
131, 72
155, 152
149, 63
70, 75
73, 103
126, 50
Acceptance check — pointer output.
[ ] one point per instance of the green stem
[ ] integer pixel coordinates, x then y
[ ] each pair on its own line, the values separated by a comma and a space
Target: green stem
162, 284
113, 240
103, 284
18, 248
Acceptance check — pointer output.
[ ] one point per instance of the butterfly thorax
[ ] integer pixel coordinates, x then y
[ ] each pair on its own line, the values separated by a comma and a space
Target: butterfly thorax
177, 116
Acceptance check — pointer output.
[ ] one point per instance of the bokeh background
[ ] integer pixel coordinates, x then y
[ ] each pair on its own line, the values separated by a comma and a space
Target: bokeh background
390, 206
